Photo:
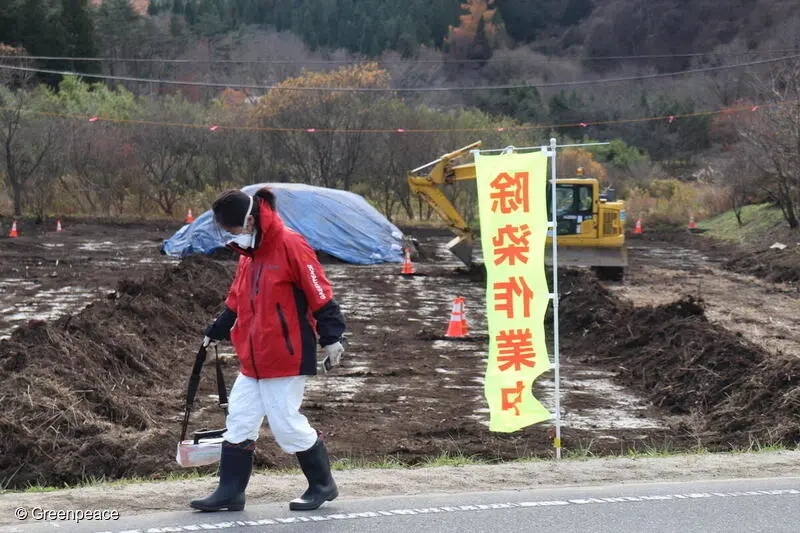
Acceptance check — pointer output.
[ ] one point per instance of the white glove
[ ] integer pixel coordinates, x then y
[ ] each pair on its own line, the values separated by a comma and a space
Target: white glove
206, 341
333, 356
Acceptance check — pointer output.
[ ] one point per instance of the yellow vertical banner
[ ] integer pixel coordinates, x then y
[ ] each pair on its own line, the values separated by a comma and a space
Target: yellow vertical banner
512, 201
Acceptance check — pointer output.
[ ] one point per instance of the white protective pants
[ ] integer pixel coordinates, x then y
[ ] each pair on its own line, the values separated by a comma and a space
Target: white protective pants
279, 400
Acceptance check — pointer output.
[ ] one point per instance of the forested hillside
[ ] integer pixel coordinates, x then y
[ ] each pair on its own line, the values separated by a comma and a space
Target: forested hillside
667, 80
588, 28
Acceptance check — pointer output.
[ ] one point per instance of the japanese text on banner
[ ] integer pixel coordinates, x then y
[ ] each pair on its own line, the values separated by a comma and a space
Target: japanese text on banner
513, 220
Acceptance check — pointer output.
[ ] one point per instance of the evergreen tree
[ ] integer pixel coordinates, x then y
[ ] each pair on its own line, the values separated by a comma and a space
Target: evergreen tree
480, 48
525, 19
78, 33
575, 11
190, 12
365, 26
117, 29
33, 28
8, 19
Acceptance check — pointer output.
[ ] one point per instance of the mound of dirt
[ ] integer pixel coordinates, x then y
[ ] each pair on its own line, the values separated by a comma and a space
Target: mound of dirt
777, 266
585, 305
99, 394
734, 391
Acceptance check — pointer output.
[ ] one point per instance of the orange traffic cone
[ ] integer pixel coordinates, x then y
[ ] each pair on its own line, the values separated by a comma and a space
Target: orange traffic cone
408, 268
638, 228
456, 327
58, 225
13, 232
189, 216
692, 223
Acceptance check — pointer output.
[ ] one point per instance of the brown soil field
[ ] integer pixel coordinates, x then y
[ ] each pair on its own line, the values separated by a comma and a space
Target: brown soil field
100, 332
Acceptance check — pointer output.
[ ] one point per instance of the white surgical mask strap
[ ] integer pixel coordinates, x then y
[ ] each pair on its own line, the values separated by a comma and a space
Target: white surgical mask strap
244, 222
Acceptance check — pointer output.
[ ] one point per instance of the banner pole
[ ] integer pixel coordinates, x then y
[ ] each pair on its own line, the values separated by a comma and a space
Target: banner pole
556, 362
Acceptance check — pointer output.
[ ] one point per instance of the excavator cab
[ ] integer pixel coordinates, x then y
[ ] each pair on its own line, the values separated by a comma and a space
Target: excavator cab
589, 228
574, 205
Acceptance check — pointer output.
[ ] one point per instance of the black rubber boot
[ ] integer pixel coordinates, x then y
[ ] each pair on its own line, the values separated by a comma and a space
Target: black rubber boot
235, 468
321, 487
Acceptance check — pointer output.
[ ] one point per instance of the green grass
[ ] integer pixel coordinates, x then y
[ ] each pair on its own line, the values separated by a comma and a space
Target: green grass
394, 462
95, 482
388, 462
757, 221
451, 459
581, 451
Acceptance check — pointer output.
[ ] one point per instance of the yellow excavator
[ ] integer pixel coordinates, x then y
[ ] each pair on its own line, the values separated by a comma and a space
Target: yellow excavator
590, 223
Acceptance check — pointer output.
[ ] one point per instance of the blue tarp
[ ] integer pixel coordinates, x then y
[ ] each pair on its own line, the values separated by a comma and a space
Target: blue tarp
339, 223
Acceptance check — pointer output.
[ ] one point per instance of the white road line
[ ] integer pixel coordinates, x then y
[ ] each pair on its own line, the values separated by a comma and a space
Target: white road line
211, 526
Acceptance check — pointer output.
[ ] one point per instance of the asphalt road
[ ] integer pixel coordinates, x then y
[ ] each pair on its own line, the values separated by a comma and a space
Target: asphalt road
730, 506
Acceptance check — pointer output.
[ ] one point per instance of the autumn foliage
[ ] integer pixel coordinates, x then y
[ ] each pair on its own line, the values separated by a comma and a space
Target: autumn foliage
230, 98
570, 159
6, 50
290, 94
476, 33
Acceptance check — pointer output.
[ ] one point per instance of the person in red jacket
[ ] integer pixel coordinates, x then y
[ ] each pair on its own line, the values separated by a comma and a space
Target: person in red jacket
279, 306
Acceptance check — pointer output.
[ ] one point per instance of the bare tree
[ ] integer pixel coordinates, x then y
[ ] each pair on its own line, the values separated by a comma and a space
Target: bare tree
329, 151
319, 135
741, 183
26, 138
43, 192
102, 163
772, 139
169, 156
384, 174
237, 157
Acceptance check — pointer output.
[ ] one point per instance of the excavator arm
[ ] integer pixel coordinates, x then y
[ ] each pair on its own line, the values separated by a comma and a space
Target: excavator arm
426, 181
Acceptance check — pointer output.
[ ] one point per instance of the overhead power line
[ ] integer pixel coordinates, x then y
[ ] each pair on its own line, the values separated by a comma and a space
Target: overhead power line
397, 61
405, 131
574, 83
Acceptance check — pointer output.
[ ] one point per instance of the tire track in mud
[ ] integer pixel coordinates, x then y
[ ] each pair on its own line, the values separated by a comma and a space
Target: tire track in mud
762, 312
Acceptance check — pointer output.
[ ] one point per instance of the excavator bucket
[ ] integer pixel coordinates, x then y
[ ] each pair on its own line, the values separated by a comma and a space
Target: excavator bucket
461, 247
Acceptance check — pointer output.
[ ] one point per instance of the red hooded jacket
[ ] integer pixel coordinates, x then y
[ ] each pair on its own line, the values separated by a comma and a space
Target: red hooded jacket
283, 303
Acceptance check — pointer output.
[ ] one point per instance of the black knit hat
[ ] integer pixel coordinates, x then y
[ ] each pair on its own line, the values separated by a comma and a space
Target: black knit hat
230, 208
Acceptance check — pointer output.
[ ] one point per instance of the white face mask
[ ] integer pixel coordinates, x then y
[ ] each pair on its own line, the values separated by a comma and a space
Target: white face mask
245, 240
